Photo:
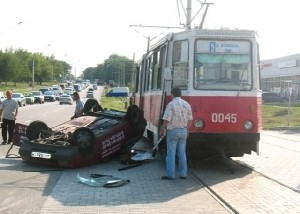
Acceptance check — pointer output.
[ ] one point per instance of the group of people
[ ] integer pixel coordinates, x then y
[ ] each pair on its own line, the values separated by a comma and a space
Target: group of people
177, 120
9, 111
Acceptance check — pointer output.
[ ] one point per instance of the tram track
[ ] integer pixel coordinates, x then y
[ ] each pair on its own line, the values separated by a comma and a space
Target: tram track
241, 171
265, 176
214, 194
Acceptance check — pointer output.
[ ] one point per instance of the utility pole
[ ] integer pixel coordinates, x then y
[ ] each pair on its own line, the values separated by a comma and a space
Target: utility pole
32, 72
189, 14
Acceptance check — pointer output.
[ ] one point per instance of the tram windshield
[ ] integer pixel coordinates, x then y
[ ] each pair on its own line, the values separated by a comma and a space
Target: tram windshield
222, 65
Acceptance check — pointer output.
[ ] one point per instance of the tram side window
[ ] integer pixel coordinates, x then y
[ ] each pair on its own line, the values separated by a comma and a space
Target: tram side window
155, 70
137, 78
158, 64
149, 70
180, 64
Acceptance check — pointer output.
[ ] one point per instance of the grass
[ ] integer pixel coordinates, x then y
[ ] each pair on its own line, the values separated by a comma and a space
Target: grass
276, 115
116, 103
22, 87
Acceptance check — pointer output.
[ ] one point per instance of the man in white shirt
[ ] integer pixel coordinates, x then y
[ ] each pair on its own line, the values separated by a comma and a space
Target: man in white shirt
177, 120
79, 105
8, 111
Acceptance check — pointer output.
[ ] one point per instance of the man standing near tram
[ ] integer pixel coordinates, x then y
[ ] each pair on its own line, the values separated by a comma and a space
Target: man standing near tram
8, 111
177, 120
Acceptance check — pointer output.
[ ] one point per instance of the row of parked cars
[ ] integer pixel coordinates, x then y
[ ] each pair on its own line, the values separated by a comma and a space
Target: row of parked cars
44, 94
51, 94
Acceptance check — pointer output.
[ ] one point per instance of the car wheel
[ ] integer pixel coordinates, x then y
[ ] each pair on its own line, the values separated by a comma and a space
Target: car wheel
92, 105
133, 115
85, 140
60, 103
37, 129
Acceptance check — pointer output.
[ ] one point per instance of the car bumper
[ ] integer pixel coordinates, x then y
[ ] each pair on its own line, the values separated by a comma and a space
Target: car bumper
49, 98
51, 154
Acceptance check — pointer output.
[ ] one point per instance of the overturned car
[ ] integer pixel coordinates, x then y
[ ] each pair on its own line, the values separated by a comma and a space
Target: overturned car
92, 138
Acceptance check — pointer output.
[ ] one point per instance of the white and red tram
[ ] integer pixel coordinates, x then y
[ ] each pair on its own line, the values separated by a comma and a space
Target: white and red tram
218, 72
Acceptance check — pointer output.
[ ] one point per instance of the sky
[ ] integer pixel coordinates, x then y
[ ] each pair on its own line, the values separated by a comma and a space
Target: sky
84, 33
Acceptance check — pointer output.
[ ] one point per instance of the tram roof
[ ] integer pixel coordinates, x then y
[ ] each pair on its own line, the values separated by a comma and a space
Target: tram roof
206, 33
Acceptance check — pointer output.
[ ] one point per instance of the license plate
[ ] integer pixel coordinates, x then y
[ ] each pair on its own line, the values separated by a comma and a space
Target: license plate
40, 155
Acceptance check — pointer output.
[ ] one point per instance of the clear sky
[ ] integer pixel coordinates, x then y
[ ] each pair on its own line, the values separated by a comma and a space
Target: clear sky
86, 32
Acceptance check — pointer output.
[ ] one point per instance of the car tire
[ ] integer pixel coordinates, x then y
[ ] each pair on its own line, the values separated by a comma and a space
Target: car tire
92, 105
133, 115
85, 140
35, 129
60, 103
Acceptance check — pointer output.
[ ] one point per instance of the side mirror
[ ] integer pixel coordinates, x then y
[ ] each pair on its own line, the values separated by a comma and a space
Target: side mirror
168, 74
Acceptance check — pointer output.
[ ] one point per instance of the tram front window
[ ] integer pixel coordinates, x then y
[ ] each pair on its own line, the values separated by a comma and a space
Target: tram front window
222, 69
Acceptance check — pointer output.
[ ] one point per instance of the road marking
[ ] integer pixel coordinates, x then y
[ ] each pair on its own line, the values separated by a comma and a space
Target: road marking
28, 121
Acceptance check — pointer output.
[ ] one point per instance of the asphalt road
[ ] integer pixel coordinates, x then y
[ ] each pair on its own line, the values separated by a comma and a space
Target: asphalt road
23, 187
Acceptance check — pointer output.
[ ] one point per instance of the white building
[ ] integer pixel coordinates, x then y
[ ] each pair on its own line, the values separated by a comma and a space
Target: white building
282, 75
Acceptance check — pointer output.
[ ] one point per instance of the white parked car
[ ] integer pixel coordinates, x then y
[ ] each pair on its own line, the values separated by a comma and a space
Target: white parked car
90, 93
2, 97
65, 98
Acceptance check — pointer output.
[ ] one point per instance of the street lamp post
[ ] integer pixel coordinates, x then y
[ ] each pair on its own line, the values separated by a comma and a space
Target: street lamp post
33, 72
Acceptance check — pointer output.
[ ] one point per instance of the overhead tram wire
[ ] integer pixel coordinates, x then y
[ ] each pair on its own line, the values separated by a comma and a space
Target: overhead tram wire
178, 11
154, 26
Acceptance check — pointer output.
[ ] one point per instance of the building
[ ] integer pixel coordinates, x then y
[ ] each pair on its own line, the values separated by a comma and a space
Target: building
282, 75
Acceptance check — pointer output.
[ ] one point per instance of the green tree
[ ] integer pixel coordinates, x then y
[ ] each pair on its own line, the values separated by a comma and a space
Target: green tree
117, 68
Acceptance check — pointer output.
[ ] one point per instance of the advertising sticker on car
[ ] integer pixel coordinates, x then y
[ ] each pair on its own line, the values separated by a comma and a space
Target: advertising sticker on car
40, 155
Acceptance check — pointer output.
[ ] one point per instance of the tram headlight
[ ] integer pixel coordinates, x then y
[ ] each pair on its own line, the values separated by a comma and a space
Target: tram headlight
248, 125
199, 124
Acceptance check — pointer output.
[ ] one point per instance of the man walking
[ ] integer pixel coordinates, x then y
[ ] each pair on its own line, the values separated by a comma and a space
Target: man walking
177, 120
9, 112
79, 105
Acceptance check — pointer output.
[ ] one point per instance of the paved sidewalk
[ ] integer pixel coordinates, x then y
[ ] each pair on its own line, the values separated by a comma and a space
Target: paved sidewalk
279, 158
146, 193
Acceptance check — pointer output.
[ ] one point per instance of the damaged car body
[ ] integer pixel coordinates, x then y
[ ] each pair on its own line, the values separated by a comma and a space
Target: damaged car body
92, 138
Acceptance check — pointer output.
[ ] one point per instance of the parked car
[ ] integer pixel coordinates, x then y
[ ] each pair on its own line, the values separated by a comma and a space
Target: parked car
90, 94
49, 96
57, 91
38, 97
77, 87
65, 99
92, 138
2, 97
43, 90
118, 92
29, 98
95, 87
69, 91
269, 97
19, 97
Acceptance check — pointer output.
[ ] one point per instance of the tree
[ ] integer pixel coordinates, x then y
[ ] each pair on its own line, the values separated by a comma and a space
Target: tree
117, 68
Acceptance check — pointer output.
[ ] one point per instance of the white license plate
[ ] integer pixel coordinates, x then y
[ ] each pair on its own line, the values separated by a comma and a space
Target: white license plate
40, 155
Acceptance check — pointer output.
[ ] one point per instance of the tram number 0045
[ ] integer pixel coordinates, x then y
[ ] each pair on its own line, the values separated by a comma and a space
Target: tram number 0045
221, 118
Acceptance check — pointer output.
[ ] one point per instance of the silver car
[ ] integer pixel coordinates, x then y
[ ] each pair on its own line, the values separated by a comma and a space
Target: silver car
90, 94
19, 97
65, 98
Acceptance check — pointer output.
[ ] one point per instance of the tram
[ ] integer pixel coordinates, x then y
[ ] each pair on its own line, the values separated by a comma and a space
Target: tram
219, 74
